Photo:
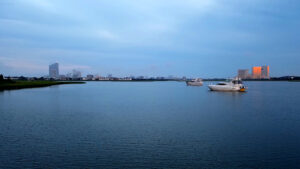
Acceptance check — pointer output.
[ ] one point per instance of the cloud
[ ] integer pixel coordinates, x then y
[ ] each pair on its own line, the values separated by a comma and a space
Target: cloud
137, 33
137, 23
41, 5
65, 68
36, 68
22, 66
107, 35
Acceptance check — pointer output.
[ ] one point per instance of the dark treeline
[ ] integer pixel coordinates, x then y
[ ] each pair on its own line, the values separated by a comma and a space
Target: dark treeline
5, 80
283, 78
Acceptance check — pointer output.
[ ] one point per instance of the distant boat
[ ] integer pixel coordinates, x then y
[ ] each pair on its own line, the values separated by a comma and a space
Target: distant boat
195, 82
235, 85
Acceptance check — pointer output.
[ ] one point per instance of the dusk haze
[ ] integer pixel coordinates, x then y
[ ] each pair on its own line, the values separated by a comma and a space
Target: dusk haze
207, 38
142, 84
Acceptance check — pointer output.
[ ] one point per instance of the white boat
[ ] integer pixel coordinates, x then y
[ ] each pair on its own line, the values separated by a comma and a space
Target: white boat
235, 85
195, 82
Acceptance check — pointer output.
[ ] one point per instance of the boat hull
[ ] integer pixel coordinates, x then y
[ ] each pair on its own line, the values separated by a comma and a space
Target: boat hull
226, 88
194, 83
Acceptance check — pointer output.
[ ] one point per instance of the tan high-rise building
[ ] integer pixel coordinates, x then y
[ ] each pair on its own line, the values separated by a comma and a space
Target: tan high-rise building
243, 73
265, 72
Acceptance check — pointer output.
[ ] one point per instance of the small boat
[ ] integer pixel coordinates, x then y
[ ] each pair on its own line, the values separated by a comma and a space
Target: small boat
235, 85
195, 82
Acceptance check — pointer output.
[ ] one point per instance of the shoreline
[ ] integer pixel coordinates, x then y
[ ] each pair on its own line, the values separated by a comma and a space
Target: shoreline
15, 85
205, 80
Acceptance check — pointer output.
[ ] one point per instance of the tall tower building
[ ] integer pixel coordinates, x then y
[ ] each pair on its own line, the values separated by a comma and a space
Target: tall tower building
54, 70
265, 72
256, 72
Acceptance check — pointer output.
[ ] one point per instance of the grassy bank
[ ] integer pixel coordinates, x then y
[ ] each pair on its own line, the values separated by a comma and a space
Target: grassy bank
10, 85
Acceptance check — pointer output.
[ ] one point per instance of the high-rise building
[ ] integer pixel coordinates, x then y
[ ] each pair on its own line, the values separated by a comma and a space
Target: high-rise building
261, 72
265, 72
54, 70
243, 73
256, 72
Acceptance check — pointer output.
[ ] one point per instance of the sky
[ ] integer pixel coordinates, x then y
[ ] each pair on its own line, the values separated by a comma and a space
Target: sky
193, 38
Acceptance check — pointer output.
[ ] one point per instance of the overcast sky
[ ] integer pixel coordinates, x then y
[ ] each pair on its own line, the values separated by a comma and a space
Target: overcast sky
194, 38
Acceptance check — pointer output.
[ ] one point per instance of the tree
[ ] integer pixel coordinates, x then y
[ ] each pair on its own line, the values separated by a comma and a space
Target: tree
22, 78
1, 77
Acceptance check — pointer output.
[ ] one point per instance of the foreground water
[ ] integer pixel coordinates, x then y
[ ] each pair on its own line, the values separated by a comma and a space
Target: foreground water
150, 125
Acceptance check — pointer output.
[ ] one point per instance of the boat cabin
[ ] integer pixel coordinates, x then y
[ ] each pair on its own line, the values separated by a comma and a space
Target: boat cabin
222, 83
237, 82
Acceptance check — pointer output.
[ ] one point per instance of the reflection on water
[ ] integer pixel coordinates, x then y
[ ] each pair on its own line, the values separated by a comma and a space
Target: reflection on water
229, 94
150, 125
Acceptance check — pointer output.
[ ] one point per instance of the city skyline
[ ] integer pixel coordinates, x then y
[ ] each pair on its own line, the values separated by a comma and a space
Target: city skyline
208, 38
258, 72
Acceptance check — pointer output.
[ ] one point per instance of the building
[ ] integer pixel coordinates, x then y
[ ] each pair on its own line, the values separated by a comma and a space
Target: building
243, 73
54, 70
63, 77
261, 72
256, 72
265, 72
89, 77
76, 74
69, 75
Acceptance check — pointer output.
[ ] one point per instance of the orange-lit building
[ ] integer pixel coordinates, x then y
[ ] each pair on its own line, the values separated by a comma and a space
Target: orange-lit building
256, 72
261, 72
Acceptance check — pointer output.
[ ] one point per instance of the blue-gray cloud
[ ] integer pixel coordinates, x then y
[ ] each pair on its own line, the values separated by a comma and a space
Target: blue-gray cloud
148, 37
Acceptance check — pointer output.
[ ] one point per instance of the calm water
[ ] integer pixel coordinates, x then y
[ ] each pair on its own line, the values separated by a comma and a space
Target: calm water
150, 125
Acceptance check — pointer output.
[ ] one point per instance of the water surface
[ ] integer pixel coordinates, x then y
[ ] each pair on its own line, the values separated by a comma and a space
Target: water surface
150, 125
